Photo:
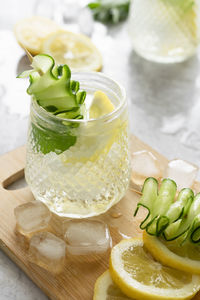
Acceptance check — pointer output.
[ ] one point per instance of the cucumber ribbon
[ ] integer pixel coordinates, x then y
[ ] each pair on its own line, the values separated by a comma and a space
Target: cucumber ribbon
51, 86
167, 217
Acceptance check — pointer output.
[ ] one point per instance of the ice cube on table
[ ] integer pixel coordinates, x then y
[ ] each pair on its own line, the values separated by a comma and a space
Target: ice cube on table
87, 237
31, 217
144, 164
57, 223
182, 172
47, 251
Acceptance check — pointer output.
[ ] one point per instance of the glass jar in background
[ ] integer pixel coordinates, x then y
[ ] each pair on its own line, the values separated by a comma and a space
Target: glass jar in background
80, 168
165, 31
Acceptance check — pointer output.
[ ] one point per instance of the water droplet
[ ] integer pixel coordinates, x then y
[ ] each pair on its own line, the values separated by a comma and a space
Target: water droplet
125, 236
116, 215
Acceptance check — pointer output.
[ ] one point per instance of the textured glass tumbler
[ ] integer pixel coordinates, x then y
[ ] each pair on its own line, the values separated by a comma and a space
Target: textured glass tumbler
80, 168
165, 31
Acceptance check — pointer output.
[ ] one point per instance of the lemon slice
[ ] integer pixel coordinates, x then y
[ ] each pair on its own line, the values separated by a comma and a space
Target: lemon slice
75, 50
186, 257
106, 289
138, 275
97, 141
101, 105
30, 32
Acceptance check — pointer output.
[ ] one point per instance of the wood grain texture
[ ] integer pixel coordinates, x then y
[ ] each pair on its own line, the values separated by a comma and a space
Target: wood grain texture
77, 280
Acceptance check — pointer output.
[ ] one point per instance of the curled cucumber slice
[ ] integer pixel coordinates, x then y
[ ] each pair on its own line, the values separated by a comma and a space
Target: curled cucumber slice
168, 217
51, 86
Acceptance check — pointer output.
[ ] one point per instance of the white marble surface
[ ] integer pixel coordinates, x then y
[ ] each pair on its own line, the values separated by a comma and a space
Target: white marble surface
164, 110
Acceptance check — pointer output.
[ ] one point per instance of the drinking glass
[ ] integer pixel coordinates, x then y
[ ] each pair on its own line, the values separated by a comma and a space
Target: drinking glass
165, 31
80, 168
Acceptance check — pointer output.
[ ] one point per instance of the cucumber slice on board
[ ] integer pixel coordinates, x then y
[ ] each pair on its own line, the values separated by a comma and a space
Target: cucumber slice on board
149, 194
161, 204
173, 219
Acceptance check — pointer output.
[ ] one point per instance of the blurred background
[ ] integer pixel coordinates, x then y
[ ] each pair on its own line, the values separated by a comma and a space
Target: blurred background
164, 98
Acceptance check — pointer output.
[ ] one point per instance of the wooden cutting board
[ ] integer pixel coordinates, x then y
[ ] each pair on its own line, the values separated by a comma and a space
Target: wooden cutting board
77, 280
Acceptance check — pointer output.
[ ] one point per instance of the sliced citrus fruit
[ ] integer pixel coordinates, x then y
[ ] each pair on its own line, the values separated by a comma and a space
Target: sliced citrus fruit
185, 257
138, 275
30, 32
98, 142
106, 289
101, 105
75, 50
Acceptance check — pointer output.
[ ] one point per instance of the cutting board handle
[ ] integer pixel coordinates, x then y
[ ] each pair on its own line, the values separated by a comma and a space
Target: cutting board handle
13, 178
12, 166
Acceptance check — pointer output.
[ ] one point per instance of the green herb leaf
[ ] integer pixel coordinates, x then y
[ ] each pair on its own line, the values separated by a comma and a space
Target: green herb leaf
112, 11
46, 140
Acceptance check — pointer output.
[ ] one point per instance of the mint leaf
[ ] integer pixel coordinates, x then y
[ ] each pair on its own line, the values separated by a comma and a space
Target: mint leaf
46, 140
110, 11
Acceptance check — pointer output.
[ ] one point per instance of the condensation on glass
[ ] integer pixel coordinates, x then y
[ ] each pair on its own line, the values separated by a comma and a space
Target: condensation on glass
165, 31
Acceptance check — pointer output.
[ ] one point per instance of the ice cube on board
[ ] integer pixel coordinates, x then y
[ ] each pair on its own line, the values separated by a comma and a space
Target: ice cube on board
47, 251
87, 237
144, 164
57, 223
182, 172
31, 217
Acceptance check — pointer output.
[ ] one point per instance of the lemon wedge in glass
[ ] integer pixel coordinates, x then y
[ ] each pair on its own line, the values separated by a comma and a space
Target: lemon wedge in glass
106, 289
75, 50
101, 105
139, 276
30, 32
96, 141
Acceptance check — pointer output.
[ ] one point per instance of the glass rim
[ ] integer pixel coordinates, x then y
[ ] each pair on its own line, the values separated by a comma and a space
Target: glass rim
42, 112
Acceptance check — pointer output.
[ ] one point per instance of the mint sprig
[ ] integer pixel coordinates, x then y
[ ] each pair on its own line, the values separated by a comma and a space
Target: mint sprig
112, 11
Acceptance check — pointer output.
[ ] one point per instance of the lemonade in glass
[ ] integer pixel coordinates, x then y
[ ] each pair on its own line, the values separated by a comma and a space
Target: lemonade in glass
78, 166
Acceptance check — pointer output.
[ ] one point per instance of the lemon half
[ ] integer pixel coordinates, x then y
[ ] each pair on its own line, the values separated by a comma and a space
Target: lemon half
30, 32
75, 50
138, 275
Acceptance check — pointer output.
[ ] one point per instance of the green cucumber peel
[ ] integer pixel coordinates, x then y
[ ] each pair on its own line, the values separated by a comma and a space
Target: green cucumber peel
51, 86
195, 232
166, 217
149, 193
161, 205
181, 206
178, 213
157, 204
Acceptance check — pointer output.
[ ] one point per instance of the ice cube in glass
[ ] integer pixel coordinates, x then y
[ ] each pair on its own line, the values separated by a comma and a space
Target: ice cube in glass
47, 251
182, 172
31, 217
87, 237
144, 164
